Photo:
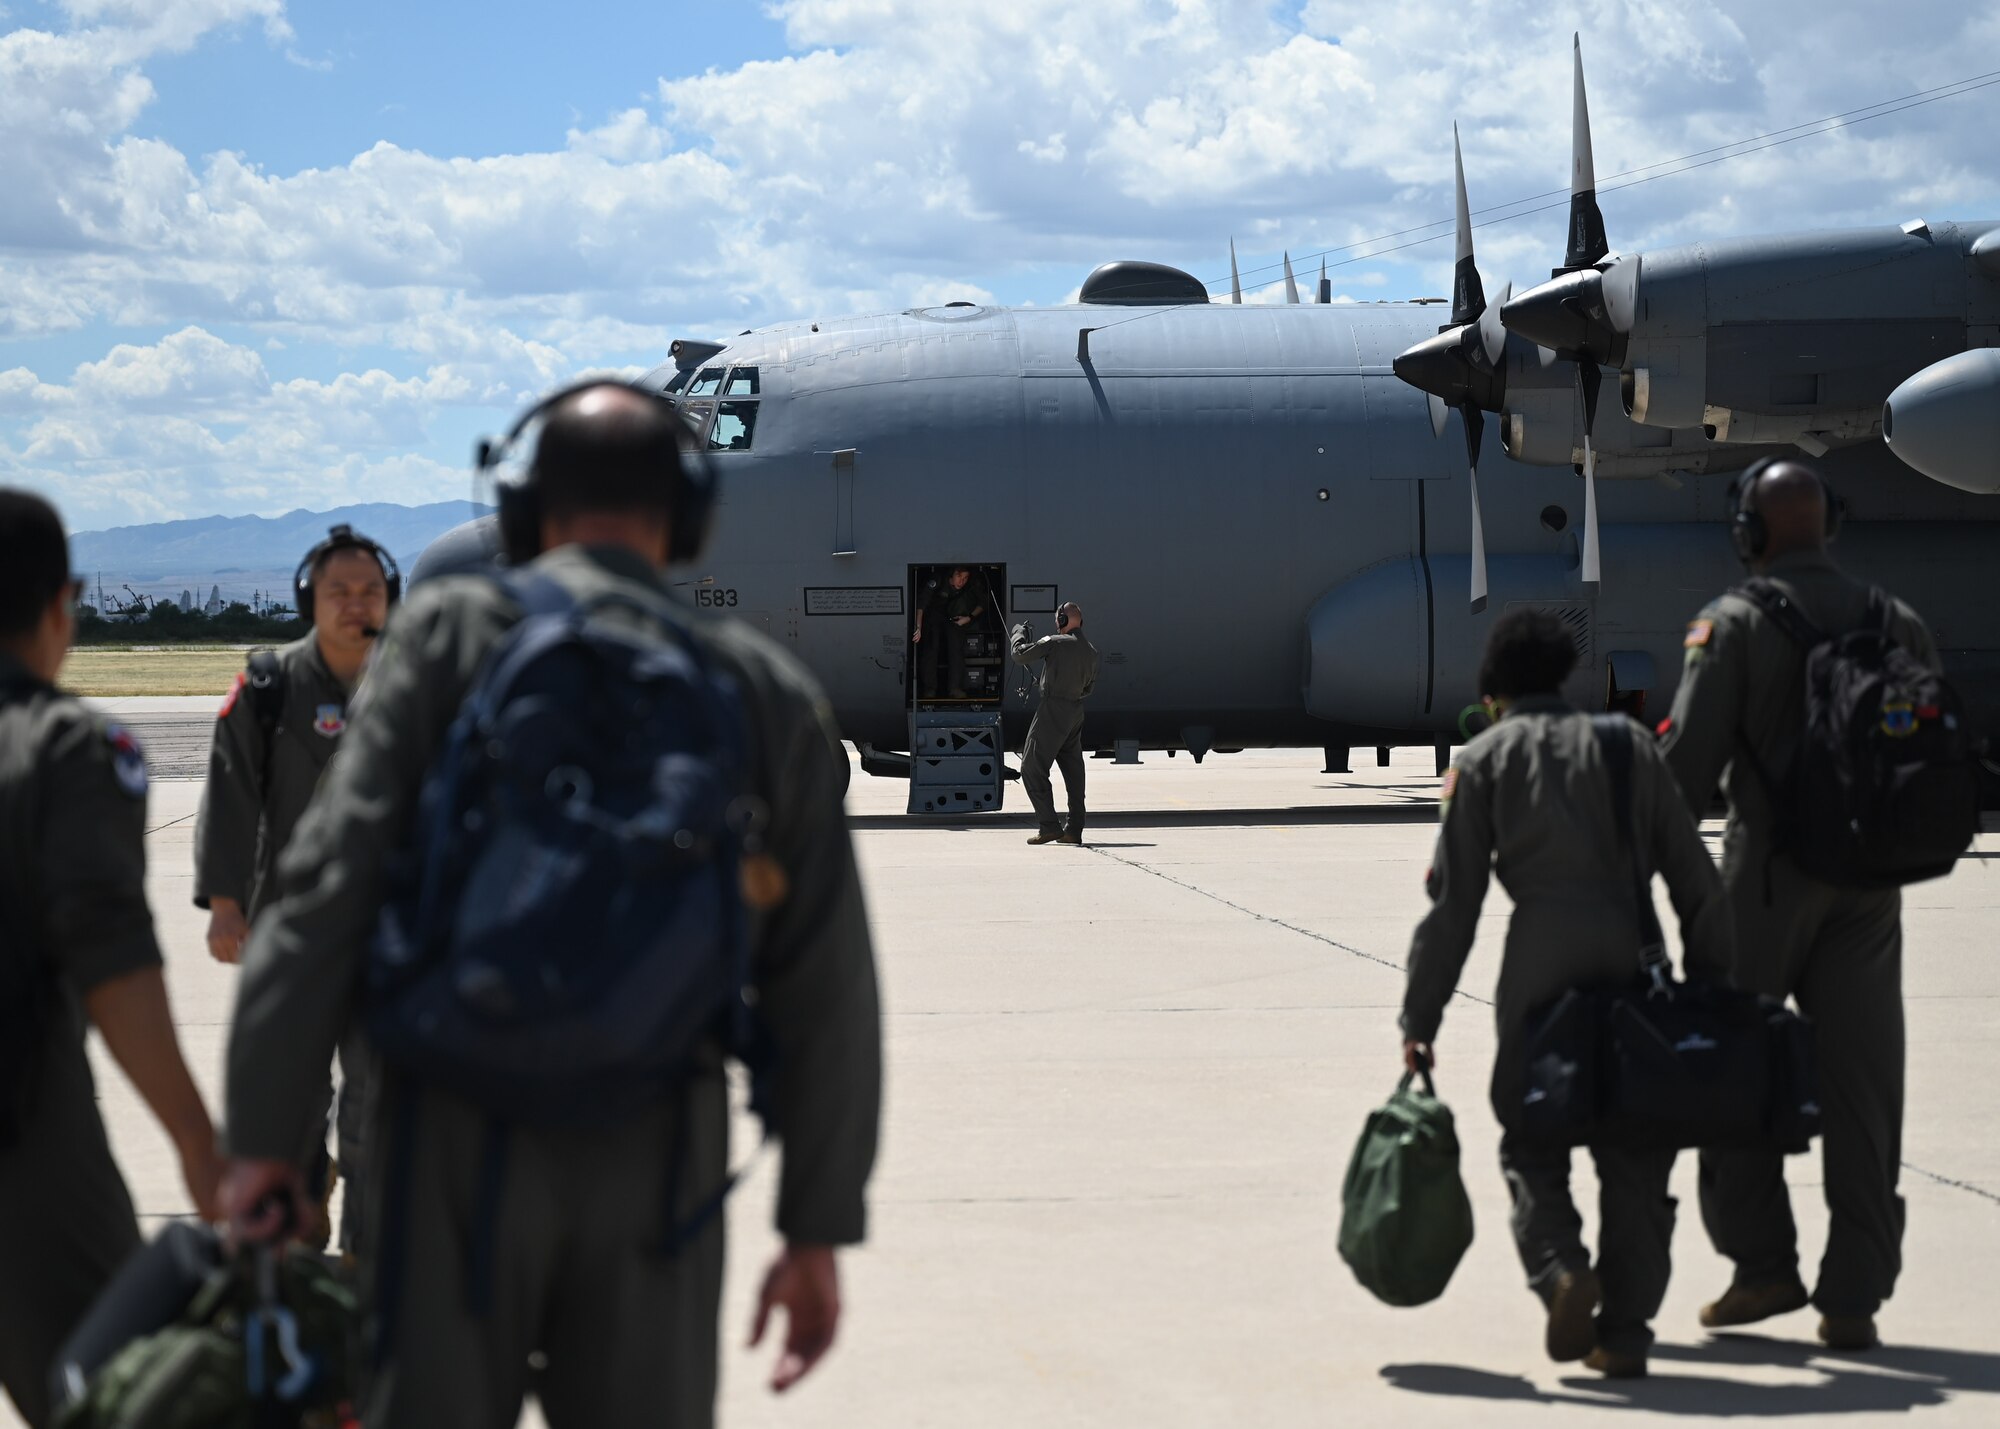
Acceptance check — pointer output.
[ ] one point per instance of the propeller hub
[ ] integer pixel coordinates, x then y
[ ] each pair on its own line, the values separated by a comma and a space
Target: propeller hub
1452, 366
1568, 314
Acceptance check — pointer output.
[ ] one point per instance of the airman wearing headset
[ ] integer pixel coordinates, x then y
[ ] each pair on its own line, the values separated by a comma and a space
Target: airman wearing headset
1737, 721
614, 494
274, 736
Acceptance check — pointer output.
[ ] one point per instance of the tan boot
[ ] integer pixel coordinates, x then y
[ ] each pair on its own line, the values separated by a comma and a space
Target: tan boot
1849, 1332
1046, 837
1748, 1304
1615, 1364
1572, 1329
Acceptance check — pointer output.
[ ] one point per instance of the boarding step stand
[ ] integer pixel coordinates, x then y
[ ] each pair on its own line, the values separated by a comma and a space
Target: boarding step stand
957, 764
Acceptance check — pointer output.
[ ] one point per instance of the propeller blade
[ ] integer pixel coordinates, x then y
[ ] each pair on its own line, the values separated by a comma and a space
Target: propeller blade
1492, 331
1478, 550
1468, 299
1475, 428
1325, 287
1587, 379
1291, 284
1593, 567
1438, 412
1587, 241
1235, 280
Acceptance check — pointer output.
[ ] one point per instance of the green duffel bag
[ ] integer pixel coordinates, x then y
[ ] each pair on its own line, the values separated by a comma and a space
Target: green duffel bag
262, 1343
1405, 1221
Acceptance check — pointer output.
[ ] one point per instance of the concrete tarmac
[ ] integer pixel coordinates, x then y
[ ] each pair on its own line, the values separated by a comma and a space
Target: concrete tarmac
1123, 1084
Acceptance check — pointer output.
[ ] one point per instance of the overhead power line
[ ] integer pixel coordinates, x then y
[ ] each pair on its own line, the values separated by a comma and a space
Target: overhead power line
1668, 168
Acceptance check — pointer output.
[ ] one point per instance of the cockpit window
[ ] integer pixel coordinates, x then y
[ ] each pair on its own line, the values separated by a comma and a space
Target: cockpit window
680, 380
735, 424
708, 384
742, 383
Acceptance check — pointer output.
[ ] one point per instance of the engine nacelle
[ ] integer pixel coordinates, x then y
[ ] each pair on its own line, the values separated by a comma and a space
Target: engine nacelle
1801, 336
1945, 421
1541, 423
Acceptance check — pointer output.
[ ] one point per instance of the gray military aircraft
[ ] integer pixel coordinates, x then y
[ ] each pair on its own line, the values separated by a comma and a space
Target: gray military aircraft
1252, 504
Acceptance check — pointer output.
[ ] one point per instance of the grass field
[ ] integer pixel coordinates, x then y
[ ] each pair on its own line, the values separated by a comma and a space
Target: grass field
152, 670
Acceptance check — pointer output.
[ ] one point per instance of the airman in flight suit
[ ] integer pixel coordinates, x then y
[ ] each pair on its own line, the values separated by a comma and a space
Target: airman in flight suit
1055, 737
1531, 799
1736, 720
577, 1268
274, 737
78, 950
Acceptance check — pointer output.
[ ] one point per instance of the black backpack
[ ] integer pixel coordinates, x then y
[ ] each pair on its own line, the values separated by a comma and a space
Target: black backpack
568, 929
1884, 790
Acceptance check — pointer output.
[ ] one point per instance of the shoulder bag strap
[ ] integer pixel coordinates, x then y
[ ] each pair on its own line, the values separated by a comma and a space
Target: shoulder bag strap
1614, 737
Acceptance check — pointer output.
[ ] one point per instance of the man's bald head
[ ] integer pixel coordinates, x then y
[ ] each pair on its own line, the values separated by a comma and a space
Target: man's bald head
1791, 499
1070, 616
609, 448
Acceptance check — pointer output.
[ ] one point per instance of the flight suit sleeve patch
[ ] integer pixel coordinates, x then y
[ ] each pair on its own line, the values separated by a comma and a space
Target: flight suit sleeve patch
1450, 785
229, 700
1699, 633
128, 760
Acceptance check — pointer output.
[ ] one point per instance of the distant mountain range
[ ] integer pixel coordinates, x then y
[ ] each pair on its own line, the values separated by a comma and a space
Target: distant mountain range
242, 554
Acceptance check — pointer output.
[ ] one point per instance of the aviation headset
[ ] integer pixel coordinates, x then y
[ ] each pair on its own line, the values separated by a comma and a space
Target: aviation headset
518, 485
341, 538
1747, 531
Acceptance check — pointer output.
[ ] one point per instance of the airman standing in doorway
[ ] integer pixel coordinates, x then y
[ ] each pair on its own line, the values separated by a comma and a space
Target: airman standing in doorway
1069, 674
952, 608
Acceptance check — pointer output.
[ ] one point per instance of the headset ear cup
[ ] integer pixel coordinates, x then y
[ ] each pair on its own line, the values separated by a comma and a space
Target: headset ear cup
520, 522
693, 505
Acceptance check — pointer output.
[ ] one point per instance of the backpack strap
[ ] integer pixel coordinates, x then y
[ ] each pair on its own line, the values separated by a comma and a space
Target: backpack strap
1770, 598
267, 703
1614, 737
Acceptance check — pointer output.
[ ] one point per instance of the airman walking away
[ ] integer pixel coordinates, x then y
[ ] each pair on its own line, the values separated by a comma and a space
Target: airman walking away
276, 733
509, 1212
79, 950
1055, 736
1532, 799
1740, 717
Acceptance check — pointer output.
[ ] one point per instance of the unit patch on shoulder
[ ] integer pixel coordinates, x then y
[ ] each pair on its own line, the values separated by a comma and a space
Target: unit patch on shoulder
1699, 632
229, 700
128, 760
330, 721
1899, 719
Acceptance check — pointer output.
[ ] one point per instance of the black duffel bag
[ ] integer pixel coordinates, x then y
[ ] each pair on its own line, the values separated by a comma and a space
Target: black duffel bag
1660, 1063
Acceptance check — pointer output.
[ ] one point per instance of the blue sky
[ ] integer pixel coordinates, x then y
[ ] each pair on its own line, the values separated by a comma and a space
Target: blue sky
260, 255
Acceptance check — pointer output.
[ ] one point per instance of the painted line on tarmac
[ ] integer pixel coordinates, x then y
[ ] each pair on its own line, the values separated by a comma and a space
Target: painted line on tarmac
1264, 917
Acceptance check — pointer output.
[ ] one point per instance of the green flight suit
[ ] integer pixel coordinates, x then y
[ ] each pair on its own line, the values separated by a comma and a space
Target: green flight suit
258, 789
1839, 952
629, 1334
1531, 800
1055, 735
73, 904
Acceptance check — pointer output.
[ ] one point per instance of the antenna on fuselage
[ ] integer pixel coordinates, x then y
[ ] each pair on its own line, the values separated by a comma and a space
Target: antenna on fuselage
1235, 279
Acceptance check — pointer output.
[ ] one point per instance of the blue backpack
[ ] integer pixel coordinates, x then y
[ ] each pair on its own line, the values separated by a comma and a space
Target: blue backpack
568, 930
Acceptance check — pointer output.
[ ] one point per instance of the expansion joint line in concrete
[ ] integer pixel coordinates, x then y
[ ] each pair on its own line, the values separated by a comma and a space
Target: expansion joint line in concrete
1263, 917
1935, 1179
170, 823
